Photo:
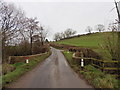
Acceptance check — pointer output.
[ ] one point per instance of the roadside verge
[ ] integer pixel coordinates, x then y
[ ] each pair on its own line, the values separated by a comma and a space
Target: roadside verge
22, 68
94, 76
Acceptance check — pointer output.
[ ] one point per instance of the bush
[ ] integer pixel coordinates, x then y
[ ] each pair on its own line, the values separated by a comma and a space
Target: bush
24, 49
88, 53
19, 50
6, 68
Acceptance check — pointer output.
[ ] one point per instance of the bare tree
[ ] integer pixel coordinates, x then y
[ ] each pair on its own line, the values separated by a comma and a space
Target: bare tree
112, 40
89, 29
62, 34
10, 23
32, 30
18, 31
69, 32
112, 27
118, 34
66, 34
43, 33
100, 27
57, 36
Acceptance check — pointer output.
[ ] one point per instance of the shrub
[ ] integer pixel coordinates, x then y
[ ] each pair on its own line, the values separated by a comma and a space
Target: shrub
40, 49
88, 53
6, 68
19, 50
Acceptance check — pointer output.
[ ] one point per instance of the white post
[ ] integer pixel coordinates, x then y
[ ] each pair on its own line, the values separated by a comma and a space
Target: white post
27, 61
82, 63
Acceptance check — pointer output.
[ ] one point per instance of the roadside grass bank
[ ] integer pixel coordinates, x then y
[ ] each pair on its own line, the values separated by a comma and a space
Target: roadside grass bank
22, 68
94, 76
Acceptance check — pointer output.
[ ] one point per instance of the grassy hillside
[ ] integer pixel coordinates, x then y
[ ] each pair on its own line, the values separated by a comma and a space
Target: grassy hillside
94, 41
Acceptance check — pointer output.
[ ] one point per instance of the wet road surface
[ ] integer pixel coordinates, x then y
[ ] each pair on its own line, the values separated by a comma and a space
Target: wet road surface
54, 72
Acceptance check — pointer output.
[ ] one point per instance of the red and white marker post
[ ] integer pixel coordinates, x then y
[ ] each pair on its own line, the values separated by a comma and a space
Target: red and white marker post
27, 59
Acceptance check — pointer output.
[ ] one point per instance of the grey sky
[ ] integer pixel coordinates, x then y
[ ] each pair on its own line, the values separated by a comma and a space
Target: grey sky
62, 14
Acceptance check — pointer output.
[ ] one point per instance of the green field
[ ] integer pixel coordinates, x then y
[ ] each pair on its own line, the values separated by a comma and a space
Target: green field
94, 41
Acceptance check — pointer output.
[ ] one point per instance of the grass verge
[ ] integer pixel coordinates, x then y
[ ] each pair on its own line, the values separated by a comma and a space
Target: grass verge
94, 76
22, 68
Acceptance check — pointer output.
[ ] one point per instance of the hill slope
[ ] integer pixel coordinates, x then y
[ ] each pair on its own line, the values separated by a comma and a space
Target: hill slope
94, 41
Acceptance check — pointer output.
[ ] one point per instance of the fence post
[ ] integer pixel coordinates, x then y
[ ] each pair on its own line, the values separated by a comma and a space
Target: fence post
91, 61
103, 67
82, 61
9, 59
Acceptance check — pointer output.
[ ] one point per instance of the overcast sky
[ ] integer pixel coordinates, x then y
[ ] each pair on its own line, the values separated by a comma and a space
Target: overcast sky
58, 15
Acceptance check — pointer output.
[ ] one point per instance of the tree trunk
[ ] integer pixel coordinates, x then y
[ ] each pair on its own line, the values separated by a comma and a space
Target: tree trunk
31, 46
3, 46
31, 40
42, 41
3, 50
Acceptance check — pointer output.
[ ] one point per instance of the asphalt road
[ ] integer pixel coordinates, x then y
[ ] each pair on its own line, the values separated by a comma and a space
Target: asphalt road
54, 72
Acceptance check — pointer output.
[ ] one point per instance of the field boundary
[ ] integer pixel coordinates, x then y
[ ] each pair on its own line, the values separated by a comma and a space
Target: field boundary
111, 67
16, 59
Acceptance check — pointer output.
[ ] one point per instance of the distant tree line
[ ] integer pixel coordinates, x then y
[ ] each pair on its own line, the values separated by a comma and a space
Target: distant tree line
20, 35
100, 28
66, 34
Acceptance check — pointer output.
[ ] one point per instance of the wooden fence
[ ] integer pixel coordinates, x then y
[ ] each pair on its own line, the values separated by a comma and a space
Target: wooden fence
111, 67
108, 66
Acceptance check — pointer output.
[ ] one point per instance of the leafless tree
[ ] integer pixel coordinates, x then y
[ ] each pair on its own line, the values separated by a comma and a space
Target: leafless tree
66, 34
89, 29
32, 30
10, 23
57, 36
112, 27
100, 27
112, 40
69, 32
17, 31
118, 34
62, 34
43, 33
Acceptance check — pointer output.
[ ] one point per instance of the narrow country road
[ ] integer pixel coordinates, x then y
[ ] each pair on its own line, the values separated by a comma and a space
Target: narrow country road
54, 72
